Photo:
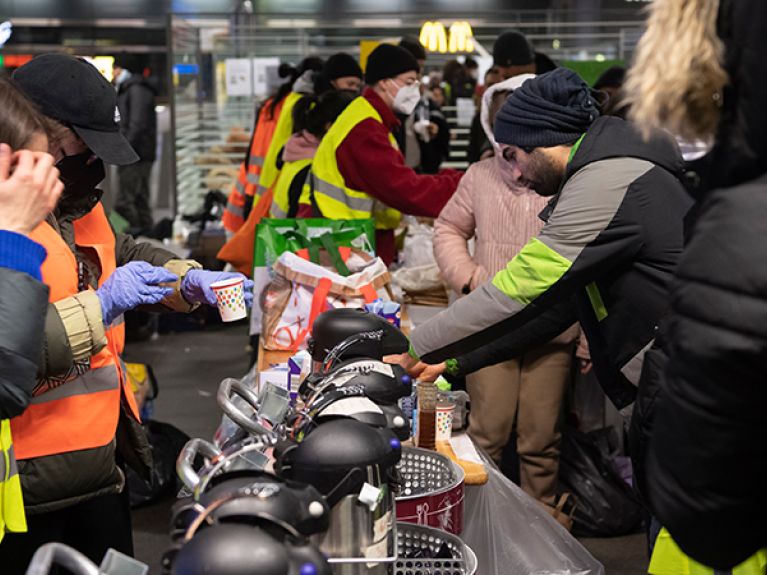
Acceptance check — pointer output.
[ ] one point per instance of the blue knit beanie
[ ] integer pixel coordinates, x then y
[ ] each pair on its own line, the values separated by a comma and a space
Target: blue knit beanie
552, 109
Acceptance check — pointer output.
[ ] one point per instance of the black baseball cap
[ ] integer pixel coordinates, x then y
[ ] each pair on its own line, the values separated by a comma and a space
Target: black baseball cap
73, 92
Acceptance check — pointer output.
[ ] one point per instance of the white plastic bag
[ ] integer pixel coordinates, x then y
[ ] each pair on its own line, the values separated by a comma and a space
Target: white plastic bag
418, 250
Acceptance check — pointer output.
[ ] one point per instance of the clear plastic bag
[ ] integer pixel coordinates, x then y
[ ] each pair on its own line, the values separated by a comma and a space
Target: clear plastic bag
512, 534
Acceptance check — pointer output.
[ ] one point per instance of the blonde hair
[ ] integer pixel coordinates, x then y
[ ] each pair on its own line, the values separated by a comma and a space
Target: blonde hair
677, 77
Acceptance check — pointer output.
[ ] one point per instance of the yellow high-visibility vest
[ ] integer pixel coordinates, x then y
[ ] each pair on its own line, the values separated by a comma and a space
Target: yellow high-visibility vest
12, 516
668, 559
282, 132
335, 199
281, 197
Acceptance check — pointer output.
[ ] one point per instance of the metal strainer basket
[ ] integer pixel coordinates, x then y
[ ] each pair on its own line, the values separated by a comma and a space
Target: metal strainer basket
431, 490
425, 472
413, 541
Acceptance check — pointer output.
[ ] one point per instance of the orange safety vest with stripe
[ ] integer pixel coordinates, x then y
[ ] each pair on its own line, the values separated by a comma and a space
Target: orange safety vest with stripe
81, 413
248, 177
282, 132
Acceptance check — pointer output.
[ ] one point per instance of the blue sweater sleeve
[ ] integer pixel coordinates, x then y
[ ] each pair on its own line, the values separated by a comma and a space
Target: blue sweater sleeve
19, 253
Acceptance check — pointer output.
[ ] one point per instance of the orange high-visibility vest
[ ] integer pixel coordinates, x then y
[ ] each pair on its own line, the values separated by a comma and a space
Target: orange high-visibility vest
82, 413
250, 170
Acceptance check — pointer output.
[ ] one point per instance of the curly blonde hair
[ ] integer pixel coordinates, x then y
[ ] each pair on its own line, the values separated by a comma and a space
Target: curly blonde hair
677, 77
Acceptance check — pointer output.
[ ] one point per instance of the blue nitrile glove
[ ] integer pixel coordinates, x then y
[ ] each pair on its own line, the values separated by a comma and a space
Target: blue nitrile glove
132, 285
196, 286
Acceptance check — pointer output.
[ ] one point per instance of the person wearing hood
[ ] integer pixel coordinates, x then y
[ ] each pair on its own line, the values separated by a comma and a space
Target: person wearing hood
358, 172
138, 123
513, 55
606, 255
82, 425
489, 206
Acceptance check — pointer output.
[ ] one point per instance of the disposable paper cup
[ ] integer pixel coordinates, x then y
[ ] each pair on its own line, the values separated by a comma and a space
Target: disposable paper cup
230, 296
445, 421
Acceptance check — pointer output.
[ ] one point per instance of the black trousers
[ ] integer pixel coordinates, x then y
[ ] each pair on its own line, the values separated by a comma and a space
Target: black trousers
91, 527
133, 201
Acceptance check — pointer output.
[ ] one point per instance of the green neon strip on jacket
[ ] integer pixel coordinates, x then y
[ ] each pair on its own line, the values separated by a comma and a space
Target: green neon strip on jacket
575, 147
596, 301
532, 271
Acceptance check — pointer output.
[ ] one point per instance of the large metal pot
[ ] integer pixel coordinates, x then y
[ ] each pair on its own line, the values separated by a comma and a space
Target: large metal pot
353, 465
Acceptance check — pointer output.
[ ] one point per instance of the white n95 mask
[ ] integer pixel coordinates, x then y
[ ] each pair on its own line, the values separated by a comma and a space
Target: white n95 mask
407, 99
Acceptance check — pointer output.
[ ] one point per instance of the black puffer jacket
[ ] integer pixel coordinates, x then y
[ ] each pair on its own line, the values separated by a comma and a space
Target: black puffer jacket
22, 321
138, 120
708, 455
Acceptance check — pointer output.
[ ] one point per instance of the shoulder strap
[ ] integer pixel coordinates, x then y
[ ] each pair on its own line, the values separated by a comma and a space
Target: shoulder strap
294, 192
316, 212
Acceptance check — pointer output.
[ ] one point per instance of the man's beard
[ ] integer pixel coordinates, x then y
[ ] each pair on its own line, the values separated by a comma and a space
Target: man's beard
545, 178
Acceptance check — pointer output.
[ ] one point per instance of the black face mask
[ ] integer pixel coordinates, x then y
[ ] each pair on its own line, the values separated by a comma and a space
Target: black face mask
353, 93
80, 177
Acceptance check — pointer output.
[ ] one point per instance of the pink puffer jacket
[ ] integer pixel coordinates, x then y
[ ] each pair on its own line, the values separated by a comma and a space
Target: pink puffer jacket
501, 219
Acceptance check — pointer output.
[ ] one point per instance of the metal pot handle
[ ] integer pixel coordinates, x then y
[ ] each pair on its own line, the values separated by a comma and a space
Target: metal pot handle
224, 397
185, 462
52, 554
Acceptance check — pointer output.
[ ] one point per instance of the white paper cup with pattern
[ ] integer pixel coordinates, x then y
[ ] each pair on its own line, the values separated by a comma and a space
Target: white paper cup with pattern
230, 296
444, 423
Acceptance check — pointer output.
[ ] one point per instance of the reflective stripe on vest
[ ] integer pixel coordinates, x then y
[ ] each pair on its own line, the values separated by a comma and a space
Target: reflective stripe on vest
668, 559
248, 175
82, 413
334, 198
12, 516
282, 132
281, 197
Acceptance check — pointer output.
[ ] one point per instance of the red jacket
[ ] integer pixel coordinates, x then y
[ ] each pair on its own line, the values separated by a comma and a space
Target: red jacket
368, 162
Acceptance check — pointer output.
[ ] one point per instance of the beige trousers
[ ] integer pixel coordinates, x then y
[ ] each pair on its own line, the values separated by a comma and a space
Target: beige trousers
528, 391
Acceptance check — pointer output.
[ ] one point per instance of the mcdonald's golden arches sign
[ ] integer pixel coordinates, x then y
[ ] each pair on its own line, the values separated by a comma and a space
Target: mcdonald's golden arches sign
434, 37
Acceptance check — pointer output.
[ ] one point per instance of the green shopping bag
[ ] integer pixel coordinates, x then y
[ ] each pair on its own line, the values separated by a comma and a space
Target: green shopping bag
274, 237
